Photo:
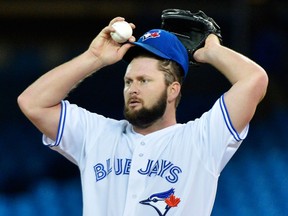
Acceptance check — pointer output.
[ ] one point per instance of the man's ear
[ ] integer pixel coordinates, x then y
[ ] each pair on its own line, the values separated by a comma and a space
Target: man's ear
173, 91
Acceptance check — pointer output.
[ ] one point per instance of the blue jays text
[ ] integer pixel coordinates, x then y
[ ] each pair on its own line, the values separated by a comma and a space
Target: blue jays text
163, 168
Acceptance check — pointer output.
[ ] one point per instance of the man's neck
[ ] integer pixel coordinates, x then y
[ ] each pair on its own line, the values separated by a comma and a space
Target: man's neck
156, 126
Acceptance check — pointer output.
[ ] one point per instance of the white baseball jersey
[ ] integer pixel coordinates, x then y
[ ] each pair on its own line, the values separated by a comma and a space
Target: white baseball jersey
173, 171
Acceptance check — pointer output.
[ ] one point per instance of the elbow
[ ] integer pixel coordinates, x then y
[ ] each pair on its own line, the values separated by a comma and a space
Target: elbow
22, 103
261, 82
25, 105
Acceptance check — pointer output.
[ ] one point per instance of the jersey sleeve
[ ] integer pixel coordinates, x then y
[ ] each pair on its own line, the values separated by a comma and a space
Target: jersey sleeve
217, 139
74, 129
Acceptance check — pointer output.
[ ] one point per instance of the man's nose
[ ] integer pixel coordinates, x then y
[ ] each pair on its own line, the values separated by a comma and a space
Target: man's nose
133, 89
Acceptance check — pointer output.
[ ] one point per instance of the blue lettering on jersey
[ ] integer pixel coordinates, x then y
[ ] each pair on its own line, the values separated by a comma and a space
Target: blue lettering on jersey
163, 168
101, 171
173, 177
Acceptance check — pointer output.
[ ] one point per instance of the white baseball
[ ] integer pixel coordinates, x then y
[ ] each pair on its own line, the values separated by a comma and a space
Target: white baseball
123, 31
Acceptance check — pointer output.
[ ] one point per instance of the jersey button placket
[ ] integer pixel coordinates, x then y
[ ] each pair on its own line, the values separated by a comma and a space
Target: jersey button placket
137, 181
142, 144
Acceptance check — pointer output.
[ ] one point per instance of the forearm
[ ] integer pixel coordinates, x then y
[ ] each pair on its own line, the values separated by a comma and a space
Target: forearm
248, 79
54, 86
234, 66
237, 68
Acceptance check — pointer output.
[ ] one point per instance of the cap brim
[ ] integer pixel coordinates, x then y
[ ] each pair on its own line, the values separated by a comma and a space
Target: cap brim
133, 51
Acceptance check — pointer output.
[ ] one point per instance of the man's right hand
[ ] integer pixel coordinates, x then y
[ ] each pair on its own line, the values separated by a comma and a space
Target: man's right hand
105, 49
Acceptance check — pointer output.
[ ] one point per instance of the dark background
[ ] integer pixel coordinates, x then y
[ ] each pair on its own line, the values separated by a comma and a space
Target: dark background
36, 36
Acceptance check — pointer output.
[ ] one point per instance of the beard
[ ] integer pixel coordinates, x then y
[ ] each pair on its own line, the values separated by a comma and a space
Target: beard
145, 117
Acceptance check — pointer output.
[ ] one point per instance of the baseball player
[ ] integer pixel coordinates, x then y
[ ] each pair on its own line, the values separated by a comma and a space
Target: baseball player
147, 163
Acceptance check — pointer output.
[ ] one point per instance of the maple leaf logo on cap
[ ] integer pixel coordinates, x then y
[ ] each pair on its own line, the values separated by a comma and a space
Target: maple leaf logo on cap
151, 35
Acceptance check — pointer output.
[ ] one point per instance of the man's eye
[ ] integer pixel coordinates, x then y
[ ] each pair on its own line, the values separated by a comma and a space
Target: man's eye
127, 82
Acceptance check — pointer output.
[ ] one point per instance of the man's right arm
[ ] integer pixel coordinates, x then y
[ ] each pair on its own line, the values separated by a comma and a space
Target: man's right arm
41, 101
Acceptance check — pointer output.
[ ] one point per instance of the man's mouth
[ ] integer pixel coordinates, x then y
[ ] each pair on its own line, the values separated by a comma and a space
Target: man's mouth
133, 102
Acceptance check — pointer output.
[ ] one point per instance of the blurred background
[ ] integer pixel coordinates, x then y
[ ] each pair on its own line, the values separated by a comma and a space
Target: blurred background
36, 36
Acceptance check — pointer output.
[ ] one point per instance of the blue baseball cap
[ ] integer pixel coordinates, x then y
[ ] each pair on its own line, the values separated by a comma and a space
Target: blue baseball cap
163, 44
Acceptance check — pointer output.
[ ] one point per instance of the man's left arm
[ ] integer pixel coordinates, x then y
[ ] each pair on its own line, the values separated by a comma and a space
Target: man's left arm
249, 80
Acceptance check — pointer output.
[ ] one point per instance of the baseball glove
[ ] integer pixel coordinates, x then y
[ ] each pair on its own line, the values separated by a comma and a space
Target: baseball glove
192, 29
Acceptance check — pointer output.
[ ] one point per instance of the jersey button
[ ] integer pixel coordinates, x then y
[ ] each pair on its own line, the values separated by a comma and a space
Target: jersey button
141, 155
142, 143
